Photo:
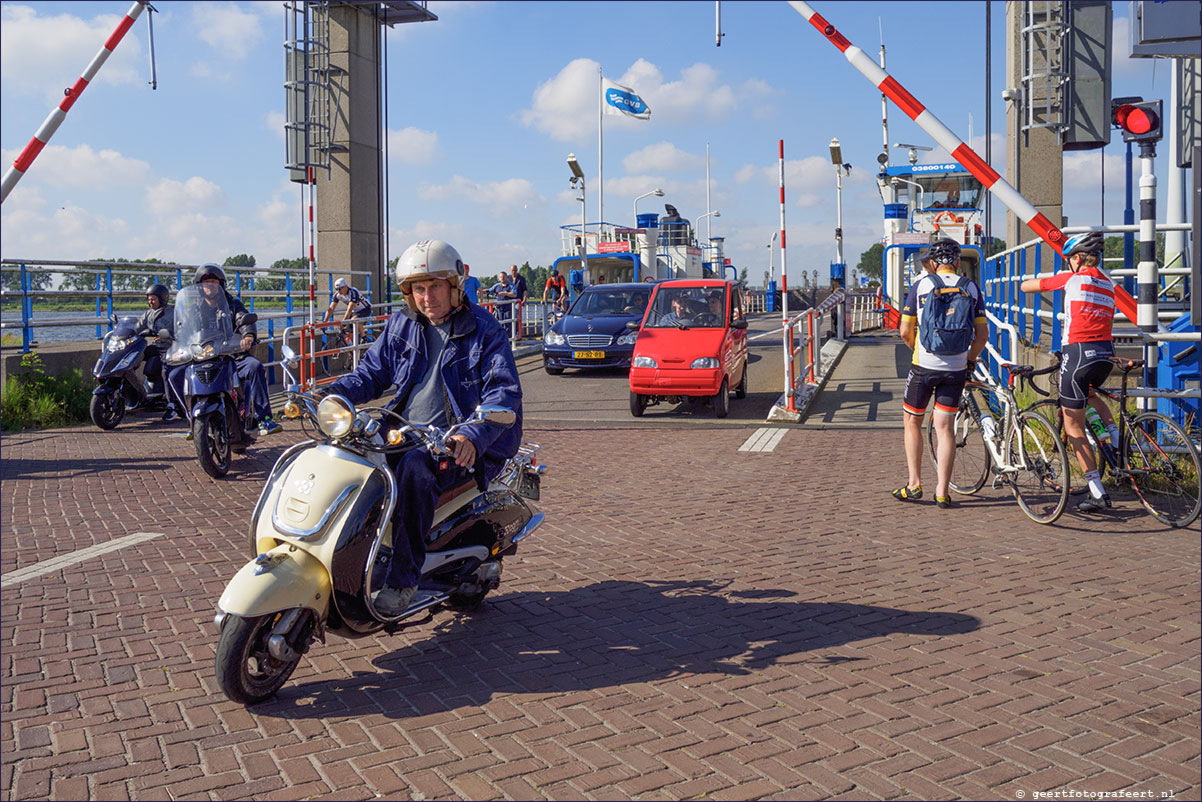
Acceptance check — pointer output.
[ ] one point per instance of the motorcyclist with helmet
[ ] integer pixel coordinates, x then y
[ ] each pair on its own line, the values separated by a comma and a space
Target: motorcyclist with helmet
251, 373
446, 356
155, 319
1086, 351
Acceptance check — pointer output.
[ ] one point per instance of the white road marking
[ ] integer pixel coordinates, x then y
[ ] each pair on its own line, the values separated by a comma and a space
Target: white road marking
64, 560
763, 439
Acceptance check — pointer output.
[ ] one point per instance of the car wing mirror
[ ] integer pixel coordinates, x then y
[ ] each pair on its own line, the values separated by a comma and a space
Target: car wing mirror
739, 324
633, 325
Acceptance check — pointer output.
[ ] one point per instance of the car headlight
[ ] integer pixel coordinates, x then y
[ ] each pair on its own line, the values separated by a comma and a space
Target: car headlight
555, 338
706, 362
334, 416
645, 362
629, 338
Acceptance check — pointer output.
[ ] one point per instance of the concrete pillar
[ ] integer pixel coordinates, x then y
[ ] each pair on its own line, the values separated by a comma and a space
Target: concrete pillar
1034, 158
350, 201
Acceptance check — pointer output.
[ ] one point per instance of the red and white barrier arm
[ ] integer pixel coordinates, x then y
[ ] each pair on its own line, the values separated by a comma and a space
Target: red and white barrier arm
31, 151
943, 135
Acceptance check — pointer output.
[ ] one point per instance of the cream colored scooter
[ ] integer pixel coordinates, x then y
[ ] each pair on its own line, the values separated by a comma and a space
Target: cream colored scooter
322, 532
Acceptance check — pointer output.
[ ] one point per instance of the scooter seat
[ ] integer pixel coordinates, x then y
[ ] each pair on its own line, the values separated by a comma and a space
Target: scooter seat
455, 492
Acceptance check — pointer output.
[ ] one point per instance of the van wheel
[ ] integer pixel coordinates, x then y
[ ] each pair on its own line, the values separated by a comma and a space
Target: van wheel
722, 400
638, 403
741, 387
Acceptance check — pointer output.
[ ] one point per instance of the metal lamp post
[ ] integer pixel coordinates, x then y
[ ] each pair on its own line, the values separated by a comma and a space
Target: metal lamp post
578, 178
839, 268
659, 193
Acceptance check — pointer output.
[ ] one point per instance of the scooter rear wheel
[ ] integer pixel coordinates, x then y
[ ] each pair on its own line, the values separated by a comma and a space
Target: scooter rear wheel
212, 444
246, 671
107, 410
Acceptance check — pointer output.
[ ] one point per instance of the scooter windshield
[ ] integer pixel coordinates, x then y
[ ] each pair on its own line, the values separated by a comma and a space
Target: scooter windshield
204, 325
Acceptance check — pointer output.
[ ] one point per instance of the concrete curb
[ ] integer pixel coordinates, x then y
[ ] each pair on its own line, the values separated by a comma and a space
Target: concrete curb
805, 393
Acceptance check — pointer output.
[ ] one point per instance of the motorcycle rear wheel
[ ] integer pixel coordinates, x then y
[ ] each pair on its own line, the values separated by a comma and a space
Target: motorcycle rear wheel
246, 671
107, 410
212, 444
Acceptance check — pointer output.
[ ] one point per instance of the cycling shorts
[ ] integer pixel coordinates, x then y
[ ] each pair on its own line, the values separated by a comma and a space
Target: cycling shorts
945, 385
1083, 366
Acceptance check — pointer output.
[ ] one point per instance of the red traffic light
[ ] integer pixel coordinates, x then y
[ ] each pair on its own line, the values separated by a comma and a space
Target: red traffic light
1136, 120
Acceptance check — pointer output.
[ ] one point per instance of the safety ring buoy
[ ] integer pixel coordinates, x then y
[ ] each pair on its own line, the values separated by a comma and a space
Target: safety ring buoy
942, 215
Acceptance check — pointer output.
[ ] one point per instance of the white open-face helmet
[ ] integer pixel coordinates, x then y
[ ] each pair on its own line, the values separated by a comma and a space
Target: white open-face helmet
339, 283
431, 258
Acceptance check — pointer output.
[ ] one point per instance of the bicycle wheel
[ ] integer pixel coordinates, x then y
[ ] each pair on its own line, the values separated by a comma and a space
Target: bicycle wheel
1040, 479
970, 465
1051, 410
1163, 465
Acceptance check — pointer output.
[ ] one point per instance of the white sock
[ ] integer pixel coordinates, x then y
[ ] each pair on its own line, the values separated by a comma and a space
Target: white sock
1095, 484
1113, 431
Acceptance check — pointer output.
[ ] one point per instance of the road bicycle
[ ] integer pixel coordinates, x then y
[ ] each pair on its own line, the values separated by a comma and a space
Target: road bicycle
340, 342
1156, 455
1025, 452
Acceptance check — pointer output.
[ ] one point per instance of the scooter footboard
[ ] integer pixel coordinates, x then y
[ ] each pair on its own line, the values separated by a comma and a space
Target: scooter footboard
281, 579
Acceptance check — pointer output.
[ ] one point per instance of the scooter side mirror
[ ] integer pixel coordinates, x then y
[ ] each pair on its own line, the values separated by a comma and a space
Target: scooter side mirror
163, 334
496, 415
289, 356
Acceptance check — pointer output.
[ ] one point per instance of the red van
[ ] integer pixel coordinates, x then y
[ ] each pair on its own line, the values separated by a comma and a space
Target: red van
692, 345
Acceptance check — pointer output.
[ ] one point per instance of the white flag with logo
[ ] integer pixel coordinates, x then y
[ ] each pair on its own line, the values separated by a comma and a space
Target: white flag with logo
622, 100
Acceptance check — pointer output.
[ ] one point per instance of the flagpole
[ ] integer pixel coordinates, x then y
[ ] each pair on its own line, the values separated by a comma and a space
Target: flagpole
600, 158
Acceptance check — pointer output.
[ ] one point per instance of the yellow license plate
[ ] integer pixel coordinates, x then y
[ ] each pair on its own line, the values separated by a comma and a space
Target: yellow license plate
588, 355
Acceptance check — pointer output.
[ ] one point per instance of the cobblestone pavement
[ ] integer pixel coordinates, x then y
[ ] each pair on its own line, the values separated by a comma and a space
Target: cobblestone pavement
691, 621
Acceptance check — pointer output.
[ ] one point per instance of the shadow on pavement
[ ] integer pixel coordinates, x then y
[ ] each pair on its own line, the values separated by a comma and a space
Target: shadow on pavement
601, 635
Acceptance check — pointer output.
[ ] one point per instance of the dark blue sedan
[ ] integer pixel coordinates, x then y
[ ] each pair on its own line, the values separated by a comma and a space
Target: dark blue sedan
593, 333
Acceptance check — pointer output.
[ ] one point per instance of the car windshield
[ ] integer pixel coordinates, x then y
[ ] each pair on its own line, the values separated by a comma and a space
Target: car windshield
612, 302
204, 326
688, 308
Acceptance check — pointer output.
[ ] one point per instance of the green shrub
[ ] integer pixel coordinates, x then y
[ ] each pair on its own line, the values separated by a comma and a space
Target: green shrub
35, 400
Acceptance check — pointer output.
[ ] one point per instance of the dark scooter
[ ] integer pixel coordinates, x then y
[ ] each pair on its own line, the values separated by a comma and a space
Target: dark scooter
214, 400
118, 386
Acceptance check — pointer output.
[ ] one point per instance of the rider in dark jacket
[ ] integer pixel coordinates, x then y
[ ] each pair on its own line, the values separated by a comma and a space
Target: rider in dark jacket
155, 319
445, 356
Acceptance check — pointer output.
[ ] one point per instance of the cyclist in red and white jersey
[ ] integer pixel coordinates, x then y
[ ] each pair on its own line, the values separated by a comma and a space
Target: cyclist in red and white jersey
1086, 351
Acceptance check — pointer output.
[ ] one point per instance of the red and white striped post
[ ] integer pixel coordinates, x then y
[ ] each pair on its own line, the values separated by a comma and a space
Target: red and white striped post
31, 151
943, 135
786, 329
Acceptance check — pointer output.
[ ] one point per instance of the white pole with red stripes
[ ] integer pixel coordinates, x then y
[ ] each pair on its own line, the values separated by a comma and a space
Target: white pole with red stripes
943, 135
787, 331
31, 151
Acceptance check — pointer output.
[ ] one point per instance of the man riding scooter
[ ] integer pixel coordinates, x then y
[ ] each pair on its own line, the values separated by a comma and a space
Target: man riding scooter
251, 373
445, 357
155, 319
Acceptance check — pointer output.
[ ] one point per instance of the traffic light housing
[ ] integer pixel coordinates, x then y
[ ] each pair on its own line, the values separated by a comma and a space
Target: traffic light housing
1140, 120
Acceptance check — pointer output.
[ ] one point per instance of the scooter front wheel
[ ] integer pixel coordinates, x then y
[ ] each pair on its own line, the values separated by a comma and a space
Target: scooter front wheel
107, 410
212, 444
246, 670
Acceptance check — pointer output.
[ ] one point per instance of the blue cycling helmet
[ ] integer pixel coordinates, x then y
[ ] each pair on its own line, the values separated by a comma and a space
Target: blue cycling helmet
1089, 242
944, 252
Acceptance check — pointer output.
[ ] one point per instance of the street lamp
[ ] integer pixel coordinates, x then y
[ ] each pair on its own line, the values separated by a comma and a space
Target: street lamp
771, 267
578, 178
659, 193
839, 269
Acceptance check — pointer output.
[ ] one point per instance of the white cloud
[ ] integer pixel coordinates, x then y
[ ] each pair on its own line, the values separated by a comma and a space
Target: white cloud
83, 167
274, 122
500, 196
170, 198
1083, 171
68, 232
565, 105
412, 145
663, 156
227, 28
43, 55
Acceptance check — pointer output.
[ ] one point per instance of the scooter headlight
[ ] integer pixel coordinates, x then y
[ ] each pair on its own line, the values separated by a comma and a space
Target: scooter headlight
334, 416
118, 344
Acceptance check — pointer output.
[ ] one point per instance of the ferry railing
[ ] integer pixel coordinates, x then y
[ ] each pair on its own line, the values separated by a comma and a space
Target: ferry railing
802, 340
113, 282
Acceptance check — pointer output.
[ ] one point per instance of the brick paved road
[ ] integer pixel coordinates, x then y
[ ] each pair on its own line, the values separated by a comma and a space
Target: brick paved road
692, 621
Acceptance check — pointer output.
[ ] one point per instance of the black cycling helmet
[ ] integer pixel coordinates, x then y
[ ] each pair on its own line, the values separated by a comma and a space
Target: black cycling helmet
209, 270
1089, 242
160, 292
944, 252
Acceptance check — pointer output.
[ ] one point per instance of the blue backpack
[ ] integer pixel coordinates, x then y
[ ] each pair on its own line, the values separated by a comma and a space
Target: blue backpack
946, 326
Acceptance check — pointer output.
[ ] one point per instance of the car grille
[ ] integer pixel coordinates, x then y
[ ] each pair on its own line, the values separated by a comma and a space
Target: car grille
589, 340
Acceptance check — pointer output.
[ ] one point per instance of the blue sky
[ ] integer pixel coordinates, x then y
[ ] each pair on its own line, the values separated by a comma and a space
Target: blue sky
484, 105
